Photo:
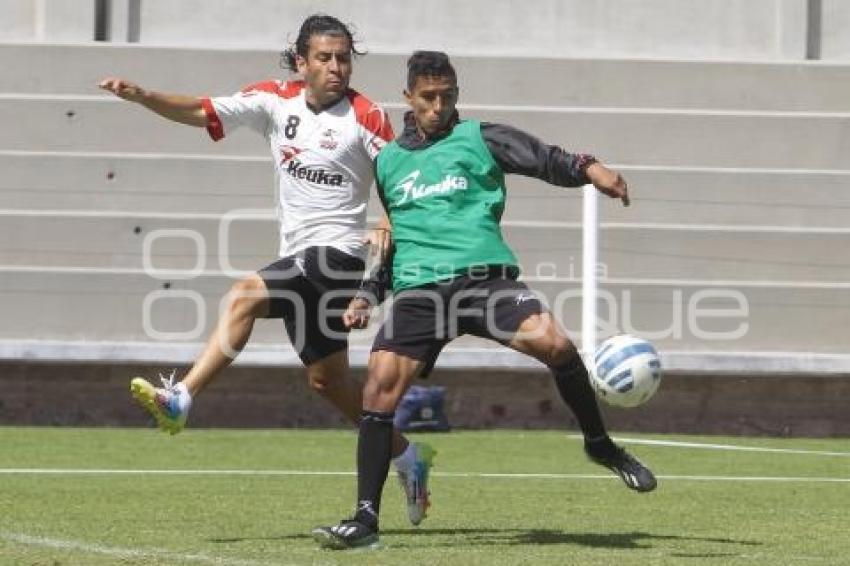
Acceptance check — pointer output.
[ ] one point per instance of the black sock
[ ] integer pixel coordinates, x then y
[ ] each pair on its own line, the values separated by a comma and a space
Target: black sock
374, 450
573, 384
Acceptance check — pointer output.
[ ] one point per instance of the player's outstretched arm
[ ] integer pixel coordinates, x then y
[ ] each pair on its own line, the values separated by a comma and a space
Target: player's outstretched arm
176, 107
519, 152
608, 182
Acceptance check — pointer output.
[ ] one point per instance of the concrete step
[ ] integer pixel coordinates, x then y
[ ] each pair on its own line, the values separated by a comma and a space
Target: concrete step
121, 307
626, 137
723, 140
701, 196
92, 306
712, 318
238, 243
109, 125
162, 183
139, 243
140, 183
660, 254
76, 69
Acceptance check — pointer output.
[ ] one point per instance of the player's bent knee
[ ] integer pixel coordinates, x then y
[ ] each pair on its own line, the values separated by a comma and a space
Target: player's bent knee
555, 349
329, 374
322, 382
562, 349
248, 297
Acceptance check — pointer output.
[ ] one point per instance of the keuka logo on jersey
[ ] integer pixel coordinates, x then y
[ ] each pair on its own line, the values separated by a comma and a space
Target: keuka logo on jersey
288, 152
313, 175
412, 191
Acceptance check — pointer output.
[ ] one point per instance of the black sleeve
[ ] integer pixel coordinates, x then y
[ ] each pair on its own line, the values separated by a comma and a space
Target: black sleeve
519, 152
376, 284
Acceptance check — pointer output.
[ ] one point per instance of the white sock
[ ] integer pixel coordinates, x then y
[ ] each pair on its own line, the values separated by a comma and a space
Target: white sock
184, 395
406, 460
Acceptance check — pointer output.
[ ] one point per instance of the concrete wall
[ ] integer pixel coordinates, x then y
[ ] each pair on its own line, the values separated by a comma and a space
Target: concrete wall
619, 83
267, 397
679, 139
835, 44
720, 29
18, 20
47, 20
738, 172
667, 28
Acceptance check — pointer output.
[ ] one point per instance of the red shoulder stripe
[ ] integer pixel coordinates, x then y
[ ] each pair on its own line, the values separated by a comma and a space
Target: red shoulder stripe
214, 125
371, 116
289, 89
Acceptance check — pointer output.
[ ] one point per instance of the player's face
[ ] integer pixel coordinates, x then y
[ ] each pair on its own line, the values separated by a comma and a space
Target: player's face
326, 69
433, 101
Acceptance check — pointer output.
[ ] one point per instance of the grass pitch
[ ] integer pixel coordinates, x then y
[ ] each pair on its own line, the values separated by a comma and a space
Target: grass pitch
130, 496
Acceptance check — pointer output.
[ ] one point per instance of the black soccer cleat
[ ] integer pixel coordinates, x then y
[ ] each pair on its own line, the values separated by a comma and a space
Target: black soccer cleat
635, 475
347, 534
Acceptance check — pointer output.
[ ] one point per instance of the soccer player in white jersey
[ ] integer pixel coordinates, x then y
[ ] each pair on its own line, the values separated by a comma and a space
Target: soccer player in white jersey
323, 138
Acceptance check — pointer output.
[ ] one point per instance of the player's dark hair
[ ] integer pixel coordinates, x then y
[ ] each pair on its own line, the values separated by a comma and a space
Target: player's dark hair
317, 24
429, 64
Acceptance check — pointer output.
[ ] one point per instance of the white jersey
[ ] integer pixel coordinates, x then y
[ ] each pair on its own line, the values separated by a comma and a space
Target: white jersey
323, 161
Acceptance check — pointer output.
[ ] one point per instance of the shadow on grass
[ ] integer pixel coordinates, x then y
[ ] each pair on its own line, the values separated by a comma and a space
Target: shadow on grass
508, 537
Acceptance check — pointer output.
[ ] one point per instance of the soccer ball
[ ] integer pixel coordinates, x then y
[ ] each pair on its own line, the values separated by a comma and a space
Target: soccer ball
626, 370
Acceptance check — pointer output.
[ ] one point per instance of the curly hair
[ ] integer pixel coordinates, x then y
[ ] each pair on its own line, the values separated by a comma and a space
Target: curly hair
317, 24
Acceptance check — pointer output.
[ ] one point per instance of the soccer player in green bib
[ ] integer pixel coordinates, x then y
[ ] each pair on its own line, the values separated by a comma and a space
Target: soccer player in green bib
442, 183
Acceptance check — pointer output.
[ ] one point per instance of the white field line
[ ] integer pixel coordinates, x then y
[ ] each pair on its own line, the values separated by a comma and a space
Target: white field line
475, 475
122, 553
732, 447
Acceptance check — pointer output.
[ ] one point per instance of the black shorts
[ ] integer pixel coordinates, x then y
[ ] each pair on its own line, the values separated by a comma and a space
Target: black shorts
309, 291
424, 319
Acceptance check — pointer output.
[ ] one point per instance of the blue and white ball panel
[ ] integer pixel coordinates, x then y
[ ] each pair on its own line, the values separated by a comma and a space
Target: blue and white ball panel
627, 370
609, 359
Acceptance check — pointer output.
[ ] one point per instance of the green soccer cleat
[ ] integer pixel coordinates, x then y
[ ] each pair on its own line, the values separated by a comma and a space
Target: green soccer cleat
169, 405
415, 483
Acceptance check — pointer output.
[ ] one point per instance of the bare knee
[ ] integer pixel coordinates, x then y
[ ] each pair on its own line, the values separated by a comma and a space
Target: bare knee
248, 298
329, 377
553, 349
540, 337
561, 350
323, 382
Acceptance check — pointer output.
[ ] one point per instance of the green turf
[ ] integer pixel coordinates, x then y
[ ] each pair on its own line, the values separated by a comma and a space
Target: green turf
92, 519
